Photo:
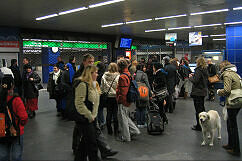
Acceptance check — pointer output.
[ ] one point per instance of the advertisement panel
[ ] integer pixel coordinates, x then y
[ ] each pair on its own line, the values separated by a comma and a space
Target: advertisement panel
171, 36
195, 38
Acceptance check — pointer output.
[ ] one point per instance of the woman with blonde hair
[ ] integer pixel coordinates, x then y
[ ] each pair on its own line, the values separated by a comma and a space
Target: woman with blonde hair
108, 85
199, 88
87, 93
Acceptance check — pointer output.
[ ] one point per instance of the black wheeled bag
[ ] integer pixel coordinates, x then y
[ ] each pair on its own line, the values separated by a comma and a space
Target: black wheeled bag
155, 123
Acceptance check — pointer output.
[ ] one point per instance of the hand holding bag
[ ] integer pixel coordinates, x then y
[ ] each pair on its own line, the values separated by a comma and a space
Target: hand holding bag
214, 79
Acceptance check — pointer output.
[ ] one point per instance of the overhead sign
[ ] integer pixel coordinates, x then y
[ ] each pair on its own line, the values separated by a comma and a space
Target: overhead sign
9, 44
195, 38
171, 36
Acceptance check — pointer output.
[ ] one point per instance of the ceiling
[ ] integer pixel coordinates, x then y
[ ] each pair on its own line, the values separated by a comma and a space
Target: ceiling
22, 13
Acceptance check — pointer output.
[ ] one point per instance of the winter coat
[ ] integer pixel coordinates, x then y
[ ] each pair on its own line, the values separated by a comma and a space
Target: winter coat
65, 80
171, 77
30, 91
211, 70
51, 85
159, 80
231, 80
106, 82
142, 77
80, 96
200, 82
19, 110
123, 88
17, 75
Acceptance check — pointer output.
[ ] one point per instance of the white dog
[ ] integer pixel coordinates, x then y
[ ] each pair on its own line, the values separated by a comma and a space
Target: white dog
210, 121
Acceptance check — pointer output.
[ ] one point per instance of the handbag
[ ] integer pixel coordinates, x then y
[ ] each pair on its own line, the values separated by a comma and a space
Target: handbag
214, 79
235, 97
38, 86
104, 95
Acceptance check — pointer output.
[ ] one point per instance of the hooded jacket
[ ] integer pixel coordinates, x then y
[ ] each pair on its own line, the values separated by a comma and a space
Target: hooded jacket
200, 82
106, 82
231, 80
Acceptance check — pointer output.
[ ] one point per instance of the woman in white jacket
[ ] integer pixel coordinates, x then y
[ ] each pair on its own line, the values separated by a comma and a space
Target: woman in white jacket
108, 85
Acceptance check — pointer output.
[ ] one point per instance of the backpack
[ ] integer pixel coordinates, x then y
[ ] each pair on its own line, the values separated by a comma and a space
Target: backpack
73, 114
133, 93
143, 99
9, 129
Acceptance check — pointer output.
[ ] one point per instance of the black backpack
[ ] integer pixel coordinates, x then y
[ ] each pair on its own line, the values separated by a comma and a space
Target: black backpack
133, 93
73, 114
8, 123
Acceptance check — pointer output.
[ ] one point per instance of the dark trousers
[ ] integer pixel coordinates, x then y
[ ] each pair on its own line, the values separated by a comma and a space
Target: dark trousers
211, 91
140, 115
199, 107
88, 146
232, 128
102, 145
169, 103
112, 114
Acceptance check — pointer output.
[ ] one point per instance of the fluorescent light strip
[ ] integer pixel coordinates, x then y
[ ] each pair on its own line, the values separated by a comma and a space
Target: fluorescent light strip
205, 36
218, 35
155, 30
167, 17
219, 39
233, 23
45, 17
114, 24
207, 12
237, 8
179, 28
130, 22
104, 3
73, 10
219, 24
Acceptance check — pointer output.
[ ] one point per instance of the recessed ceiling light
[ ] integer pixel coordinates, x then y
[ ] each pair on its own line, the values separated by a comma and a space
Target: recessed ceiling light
237, 8
73, 10
167, 17
218, 35
45, 17
233, 23
219, 24
155, 30
207, 12
114, 24
104, 3
219, 39
179, 28
130, 22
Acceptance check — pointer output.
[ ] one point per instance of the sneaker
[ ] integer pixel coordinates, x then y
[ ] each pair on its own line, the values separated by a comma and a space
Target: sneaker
196, 128
108, 154
139, 126
232, 152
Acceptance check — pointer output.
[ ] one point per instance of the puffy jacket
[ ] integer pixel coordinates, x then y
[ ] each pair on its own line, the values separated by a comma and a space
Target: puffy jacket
231, 80
159, 80
19, 110
123, 88
200, 82
106, 82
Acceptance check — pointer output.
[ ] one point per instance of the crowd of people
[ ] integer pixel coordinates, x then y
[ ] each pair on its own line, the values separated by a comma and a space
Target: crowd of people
91, 88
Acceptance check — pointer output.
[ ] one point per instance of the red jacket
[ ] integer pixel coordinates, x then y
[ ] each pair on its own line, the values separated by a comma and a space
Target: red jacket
123, 88
19, 110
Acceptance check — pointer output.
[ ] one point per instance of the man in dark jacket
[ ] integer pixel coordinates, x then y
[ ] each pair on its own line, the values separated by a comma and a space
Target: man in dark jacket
171, 79
17, 76
211, 72
199, 89
60, 63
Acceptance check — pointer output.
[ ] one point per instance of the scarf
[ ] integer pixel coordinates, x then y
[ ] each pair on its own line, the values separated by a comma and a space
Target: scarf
56, 76
71, 71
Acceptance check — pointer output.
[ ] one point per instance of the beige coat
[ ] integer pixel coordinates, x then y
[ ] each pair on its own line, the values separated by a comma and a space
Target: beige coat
106, 82
231, 80
80, 96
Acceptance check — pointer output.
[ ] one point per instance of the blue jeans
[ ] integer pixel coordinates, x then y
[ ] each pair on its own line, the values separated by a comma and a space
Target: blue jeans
140, 116
12, 151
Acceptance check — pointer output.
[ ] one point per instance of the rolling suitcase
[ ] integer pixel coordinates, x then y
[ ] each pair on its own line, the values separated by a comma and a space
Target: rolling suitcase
155, 123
